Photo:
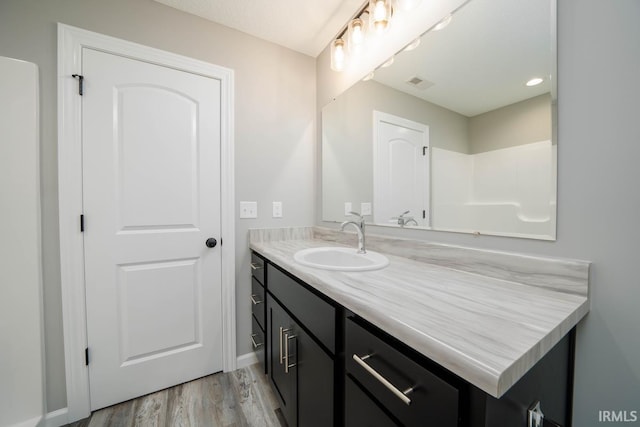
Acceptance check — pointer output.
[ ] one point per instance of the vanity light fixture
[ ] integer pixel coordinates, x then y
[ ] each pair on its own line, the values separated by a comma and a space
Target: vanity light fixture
443, 23
338, 55
368, 77
375, 16
534, 81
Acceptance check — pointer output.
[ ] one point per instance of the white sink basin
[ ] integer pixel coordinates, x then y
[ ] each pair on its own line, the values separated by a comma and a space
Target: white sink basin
340, 259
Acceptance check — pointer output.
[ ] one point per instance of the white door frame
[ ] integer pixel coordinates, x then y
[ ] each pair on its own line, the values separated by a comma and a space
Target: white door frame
71, 40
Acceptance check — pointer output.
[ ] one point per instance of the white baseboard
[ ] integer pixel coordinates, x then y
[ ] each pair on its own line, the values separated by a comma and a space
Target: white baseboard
245, 360
56, 418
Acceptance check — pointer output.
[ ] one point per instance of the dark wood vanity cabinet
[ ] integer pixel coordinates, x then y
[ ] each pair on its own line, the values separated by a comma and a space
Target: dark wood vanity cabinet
300, 358
330, 367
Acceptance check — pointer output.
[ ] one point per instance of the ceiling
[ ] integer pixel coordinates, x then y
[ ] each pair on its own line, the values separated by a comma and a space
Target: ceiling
306, 26
482, 59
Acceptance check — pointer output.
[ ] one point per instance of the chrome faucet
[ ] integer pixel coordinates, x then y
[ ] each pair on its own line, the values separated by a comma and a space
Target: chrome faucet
359, 228
404, 220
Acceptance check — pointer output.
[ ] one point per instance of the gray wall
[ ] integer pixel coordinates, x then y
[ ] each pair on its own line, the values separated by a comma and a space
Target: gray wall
521, 123
598, 199
274, 125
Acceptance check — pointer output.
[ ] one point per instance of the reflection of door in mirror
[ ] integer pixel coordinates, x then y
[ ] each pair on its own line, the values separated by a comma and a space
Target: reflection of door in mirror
401, 171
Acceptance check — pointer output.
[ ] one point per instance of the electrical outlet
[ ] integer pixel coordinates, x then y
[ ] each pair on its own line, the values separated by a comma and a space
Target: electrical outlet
277, 209
365, 208
248, 209
347, 208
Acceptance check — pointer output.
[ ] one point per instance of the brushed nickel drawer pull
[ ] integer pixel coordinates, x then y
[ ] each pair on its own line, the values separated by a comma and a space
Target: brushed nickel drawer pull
254, 300
253, 341
402, 395
286, 354
255, 266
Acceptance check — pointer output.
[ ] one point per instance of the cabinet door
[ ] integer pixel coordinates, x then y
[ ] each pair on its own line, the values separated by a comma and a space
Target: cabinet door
283, 379
315, 382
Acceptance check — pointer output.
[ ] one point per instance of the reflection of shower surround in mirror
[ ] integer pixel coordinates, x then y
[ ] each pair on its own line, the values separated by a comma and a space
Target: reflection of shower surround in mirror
492, 169
507, 191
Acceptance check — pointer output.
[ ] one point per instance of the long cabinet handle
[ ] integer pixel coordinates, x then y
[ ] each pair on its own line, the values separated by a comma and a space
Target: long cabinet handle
253, 341
286, 353
255, 301
255, 266
282, 331
402, 395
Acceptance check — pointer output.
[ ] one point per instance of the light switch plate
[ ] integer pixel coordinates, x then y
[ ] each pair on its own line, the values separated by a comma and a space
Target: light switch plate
365, 208
248, 209
347, 208
277, 209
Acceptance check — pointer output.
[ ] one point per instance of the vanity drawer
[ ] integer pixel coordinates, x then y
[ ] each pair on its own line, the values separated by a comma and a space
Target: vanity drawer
257, 341
313, 312
257, 267
372, 362
257, 302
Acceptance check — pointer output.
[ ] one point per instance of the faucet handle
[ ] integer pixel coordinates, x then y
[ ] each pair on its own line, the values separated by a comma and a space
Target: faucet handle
403, 214
356, 214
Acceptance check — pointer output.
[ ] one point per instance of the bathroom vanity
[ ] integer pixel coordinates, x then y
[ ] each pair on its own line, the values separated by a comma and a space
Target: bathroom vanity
452, 337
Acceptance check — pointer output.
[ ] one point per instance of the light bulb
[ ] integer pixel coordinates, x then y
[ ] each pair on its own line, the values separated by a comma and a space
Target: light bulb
380, 14
338, 55
368, 77
534, 82
411, 46
356, 36
443, 23
389, 62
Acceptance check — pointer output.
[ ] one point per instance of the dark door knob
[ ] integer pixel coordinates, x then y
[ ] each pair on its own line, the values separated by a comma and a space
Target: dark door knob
211, 242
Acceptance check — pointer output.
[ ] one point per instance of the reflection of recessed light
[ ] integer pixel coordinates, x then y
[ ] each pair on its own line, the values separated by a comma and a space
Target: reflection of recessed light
368, 77
388, 63
414, 44
443, 23
535, 81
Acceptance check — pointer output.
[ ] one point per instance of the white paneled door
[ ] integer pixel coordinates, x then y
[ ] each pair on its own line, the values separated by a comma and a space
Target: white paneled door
151, 194
401, 170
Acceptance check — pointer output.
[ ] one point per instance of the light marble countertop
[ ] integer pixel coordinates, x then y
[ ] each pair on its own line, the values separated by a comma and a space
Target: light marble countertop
489, 331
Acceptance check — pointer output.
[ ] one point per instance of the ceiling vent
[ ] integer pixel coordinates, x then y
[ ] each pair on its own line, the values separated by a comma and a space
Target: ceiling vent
419, 82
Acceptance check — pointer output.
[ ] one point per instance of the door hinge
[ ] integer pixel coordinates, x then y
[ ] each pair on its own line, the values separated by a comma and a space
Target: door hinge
80, 83
82, 223
86, 356
424, 150
424, 214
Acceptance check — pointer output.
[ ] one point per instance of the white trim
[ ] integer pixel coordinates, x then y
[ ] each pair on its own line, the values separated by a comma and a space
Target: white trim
56, 418
246, 359
71, 40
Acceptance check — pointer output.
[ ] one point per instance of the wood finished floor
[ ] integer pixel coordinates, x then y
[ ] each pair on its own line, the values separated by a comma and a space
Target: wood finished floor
239, 398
